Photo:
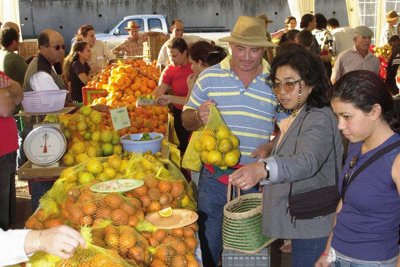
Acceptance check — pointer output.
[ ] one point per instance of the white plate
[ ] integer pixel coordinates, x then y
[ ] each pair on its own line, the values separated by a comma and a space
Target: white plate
179, 218
120, 186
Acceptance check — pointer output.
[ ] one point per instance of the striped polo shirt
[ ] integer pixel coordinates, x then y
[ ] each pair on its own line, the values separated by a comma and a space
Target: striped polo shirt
248, 112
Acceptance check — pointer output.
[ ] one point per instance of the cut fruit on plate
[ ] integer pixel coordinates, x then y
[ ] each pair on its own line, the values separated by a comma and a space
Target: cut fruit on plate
178, 218
119, 186
167, 212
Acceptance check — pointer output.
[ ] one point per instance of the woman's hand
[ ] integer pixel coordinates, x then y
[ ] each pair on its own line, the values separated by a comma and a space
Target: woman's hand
248, 176
164, 100
322, 261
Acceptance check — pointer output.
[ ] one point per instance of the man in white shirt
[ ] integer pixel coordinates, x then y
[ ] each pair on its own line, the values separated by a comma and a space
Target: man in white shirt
358, 57
342, 36
177, 30
44, 71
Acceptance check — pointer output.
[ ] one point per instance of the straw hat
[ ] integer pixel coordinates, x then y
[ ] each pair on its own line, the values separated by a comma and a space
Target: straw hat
132, 26
363, 31
391, 15
248, 31
265, 18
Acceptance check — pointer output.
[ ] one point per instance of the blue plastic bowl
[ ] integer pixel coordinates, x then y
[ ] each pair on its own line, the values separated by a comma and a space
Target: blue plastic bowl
131, 143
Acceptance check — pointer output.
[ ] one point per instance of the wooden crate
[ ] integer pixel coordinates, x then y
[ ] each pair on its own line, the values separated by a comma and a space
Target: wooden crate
156, 40
28, 172
28, 48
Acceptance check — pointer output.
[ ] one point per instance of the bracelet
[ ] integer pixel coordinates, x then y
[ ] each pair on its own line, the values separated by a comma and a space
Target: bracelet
324, 254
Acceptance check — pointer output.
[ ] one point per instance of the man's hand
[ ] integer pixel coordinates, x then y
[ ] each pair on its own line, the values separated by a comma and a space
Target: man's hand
204, 110
263, 150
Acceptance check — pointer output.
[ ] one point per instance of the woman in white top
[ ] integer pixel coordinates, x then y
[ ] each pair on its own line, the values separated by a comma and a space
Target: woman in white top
100, 53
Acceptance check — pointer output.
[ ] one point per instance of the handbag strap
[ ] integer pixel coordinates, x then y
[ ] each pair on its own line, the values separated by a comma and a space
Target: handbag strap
334, 152
229, 192
367, 163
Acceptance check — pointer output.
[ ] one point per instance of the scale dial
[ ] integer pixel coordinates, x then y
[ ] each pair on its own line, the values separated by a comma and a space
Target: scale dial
45, 145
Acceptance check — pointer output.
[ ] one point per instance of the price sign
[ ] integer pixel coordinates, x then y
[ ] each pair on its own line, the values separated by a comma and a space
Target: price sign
120, 118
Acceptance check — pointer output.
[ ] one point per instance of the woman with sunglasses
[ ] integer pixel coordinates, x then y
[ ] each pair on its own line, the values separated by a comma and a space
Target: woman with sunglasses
305, 155
366, 231
76, 69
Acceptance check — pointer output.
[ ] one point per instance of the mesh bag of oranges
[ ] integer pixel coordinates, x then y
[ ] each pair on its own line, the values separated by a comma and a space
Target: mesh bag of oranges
174, 247
129, 244
213, 144
164, 184
95, 256
82, 207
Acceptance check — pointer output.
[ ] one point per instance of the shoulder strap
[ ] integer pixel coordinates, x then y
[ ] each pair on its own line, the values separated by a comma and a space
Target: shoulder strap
373, 158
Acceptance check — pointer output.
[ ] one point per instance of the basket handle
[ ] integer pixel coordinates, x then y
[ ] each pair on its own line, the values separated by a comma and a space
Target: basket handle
229, 192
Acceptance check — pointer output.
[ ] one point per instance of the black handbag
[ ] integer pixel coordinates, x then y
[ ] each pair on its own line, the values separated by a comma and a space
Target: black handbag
314, 203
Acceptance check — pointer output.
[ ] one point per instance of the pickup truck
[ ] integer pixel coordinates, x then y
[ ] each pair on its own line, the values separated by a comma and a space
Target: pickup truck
157, 23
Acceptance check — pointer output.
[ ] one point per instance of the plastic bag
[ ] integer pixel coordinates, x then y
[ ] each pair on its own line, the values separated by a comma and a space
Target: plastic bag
214, 144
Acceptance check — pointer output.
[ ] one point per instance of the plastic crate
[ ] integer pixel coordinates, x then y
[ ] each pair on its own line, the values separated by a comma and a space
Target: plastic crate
231, 258
44, 101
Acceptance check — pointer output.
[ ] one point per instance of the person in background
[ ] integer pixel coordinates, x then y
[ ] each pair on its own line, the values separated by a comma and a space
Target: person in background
305, 156
358, 57
290, 24
289, 37
17, 245
305, 38
177, 30
392, 18
309, 22
41, 73
76, 69
173, 79
325, 41
11, 95
11, 63
342, 36
203, 55
247, 105
100, 54
366, 230
393, 64
133, 45
269, 51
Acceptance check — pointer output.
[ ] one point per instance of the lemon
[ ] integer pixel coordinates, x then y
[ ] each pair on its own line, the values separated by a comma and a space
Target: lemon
115, 161
225, 145
117, 150
110, 172
107, 148
222, 132
68, 159
208, 142
208, 132
69, 174
85, 177
92, 151
94, 166
197, 146
231, 158
81, 126
214, 157
87, 135
203, 157
96, 135
234, 140
81, 158
78, 147
85, 110
106, 136
167, 212
95, 116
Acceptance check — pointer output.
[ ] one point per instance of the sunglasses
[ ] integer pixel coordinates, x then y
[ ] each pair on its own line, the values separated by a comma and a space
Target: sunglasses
287, 86
58, 47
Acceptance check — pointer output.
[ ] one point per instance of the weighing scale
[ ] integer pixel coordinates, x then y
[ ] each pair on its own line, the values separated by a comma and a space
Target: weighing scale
45, 145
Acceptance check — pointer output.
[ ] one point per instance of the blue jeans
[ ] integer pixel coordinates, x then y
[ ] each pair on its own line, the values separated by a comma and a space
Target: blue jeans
344, 261
305, 252
211, 202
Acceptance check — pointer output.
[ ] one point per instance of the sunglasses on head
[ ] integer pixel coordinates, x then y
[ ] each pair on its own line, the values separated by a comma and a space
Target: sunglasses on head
58, 47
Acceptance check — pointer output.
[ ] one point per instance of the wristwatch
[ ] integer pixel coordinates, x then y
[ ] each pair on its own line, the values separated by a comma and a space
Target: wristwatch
265, 180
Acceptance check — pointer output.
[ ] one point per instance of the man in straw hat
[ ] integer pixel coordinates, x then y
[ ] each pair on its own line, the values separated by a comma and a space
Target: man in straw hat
237, 87
133, 45
358, 57
392, 18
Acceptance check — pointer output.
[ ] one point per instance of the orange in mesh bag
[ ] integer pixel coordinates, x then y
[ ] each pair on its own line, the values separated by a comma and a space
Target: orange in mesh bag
124, 240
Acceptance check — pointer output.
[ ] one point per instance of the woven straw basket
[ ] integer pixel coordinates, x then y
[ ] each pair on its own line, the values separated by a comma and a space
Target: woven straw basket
242, 225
